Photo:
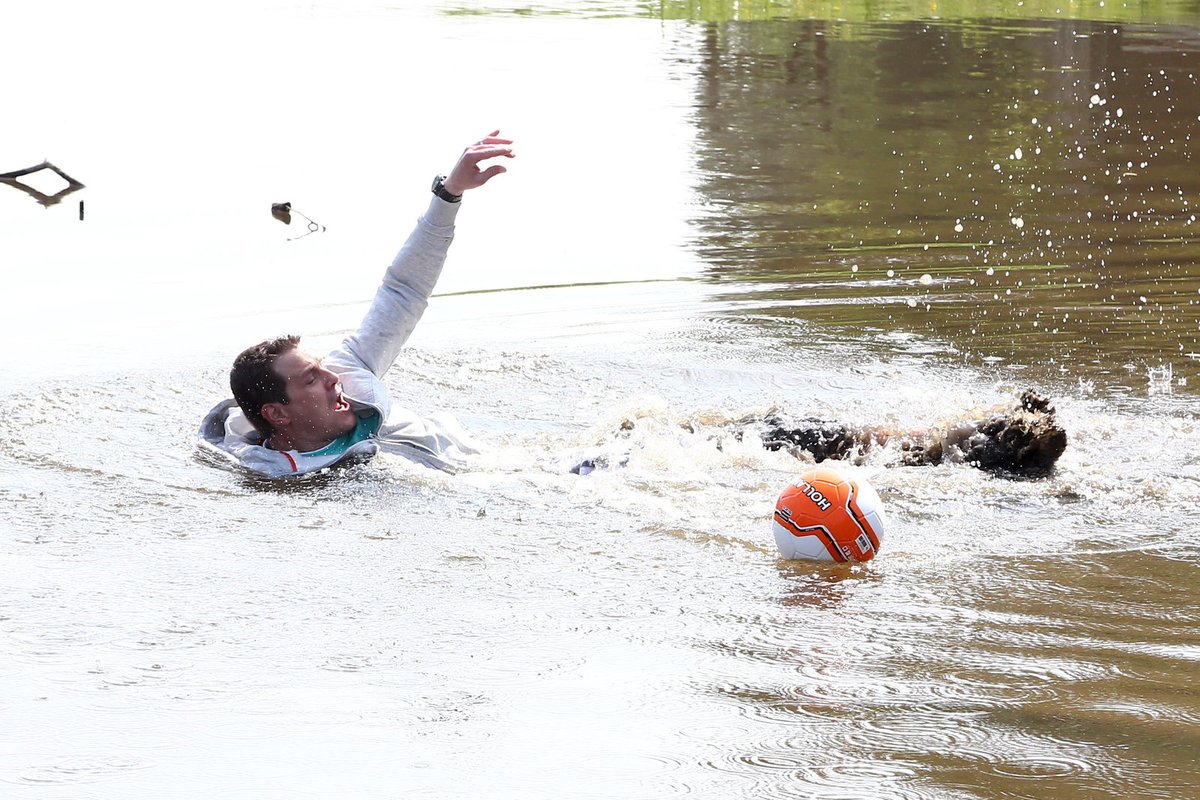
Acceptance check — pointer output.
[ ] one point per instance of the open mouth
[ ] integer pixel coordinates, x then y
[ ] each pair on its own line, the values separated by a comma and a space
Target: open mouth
341, 404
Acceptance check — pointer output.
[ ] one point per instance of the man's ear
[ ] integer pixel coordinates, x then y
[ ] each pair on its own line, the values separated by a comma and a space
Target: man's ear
276, 414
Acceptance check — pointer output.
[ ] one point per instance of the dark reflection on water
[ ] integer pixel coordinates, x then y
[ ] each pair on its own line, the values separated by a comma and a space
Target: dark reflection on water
1024, 190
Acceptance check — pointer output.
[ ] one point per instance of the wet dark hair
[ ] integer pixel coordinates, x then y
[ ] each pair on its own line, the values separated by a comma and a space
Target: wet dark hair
255, 382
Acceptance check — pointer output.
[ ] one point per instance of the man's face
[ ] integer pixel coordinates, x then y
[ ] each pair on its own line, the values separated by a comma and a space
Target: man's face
316, 407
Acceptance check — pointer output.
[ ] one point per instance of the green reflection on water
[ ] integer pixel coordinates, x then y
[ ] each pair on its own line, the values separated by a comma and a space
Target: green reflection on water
1025, 192
1033, 159
898, 10
1156, 11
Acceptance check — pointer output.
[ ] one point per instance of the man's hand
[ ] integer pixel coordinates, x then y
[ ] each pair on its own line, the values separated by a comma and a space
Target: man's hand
467, 174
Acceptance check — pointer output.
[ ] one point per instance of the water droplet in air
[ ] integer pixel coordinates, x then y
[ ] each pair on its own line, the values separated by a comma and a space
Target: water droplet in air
1020, 223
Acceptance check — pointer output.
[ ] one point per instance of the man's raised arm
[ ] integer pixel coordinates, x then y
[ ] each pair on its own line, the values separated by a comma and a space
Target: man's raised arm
404, 293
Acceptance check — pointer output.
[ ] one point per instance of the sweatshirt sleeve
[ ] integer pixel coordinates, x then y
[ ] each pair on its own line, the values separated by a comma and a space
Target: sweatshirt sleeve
403, 295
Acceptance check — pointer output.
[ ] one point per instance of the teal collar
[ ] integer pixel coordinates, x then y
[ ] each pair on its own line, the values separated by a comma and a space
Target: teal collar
365, 429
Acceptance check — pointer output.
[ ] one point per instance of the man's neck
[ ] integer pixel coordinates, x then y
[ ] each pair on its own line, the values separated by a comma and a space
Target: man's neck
294, 440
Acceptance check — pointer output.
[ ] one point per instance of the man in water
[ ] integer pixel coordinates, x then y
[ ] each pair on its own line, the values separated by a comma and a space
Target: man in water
294, 413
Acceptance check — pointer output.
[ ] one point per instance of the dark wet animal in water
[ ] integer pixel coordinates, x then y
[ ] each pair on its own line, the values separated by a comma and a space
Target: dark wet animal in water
820, 439
1024, 441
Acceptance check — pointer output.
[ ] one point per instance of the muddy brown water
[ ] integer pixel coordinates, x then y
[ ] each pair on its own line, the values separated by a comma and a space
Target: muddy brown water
888, 213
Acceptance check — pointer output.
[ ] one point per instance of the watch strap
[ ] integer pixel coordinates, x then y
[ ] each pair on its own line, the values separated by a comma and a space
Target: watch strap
439, 188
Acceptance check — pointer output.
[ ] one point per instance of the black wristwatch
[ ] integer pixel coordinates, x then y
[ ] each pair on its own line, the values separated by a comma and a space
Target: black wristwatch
439, 188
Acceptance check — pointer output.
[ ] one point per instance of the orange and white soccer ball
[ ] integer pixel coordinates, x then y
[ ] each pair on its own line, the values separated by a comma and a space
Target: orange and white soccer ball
829, 516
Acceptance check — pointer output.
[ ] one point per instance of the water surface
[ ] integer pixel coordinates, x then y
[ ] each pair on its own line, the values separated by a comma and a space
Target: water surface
744, 206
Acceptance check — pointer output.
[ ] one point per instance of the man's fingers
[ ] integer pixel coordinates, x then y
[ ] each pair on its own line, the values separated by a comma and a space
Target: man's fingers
493, 138
491, 172
477, 153
490, 144
467, 174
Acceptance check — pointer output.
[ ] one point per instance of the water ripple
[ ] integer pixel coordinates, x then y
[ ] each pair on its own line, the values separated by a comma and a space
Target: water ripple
796, 769
1042, 767
79, 770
